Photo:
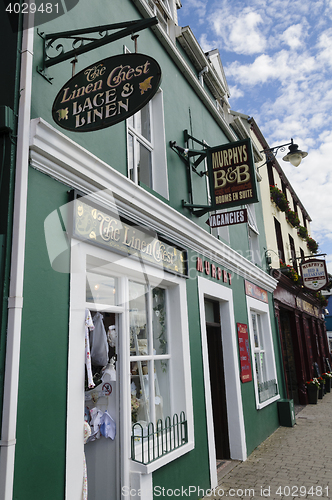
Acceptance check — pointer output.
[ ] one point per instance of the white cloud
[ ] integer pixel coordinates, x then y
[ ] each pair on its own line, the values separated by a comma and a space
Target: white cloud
277, 58
240, 33
235, 92
293, 36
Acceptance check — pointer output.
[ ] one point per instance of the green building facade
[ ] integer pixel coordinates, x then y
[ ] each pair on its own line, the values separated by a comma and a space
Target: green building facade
182, 313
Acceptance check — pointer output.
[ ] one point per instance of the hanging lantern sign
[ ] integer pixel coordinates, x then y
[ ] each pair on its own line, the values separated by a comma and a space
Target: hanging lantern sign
314, 274
107, 92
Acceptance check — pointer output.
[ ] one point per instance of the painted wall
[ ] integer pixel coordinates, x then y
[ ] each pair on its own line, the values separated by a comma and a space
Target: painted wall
41, 423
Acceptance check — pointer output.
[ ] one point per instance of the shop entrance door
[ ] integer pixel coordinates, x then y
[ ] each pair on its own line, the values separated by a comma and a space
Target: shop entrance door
217, 379
103, 453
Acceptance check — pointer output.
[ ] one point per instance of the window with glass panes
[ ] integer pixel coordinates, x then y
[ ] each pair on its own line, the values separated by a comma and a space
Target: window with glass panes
146, 146
149, 353
258, 348
263, 358
140, 147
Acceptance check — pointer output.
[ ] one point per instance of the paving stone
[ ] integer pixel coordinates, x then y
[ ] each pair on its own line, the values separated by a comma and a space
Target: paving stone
291, 457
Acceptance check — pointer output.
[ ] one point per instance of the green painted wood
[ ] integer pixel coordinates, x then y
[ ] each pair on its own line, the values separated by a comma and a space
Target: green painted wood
41, 419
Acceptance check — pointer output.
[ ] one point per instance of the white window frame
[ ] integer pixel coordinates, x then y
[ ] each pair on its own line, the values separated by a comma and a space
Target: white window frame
156, 146
125, 268
262, 309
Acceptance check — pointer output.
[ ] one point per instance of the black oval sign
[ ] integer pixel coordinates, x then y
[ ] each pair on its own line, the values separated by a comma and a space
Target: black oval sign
106, 92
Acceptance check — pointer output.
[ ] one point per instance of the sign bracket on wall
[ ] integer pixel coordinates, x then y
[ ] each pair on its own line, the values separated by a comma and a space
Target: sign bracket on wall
186, 154
85, 39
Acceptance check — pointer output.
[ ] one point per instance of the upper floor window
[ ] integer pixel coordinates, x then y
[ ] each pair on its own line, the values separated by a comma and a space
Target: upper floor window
253, 236
146, 146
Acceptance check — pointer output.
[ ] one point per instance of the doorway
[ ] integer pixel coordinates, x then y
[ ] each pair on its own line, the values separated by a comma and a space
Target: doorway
102, 451
217, 378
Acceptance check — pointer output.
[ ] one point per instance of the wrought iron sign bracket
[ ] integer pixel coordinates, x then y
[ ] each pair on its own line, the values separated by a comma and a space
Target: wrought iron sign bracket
82, 42
186, 154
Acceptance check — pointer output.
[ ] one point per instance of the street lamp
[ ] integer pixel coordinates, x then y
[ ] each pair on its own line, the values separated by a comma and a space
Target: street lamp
294, 155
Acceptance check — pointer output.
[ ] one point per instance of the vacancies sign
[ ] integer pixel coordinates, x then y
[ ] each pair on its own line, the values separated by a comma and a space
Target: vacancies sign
232, 175
106, 92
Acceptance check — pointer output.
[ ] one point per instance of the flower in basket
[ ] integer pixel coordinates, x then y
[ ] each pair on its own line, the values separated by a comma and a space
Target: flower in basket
312, 244
302, 232
313, 382
278, 197
327, 375
321, 381
289, 271
292, 218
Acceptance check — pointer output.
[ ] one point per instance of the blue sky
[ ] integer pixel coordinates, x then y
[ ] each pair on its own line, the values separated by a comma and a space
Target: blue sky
277, 58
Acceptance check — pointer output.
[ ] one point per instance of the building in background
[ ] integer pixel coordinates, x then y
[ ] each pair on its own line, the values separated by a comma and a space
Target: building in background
299, 311
117, 247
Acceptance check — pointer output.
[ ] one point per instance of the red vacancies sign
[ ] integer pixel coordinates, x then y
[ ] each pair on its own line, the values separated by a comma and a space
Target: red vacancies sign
232, 174
228, 218
314, 274
245, 363
106, 92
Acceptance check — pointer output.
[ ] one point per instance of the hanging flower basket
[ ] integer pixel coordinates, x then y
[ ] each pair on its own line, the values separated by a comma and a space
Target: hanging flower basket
321, 299
302, 232
289, 271
278, 197
312, 245
292, 218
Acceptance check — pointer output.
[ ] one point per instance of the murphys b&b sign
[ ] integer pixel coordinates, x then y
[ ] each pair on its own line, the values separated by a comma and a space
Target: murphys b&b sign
314, 274
106, 92
232, 174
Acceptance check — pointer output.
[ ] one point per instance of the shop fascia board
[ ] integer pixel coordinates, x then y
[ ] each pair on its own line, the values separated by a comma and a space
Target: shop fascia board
55, 154
185, 69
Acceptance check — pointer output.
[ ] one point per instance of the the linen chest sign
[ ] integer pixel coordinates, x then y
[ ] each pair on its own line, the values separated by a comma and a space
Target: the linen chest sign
232, 174
106, 92
107, 230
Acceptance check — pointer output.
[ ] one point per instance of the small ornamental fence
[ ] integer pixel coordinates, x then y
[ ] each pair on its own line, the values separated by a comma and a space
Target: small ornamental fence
149, 442
267, 390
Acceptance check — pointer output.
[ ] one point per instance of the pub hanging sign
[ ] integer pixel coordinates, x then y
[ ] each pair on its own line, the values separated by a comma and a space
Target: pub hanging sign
314, 274
107, 92
232, 176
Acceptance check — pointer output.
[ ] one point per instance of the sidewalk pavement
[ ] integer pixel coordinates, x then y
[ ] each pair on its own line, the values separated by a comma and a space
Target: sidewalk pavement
293, 463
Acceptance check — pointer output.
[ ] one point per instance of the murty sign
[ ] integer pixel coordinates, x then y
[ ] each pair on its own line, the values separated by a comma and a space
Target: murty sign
106, 92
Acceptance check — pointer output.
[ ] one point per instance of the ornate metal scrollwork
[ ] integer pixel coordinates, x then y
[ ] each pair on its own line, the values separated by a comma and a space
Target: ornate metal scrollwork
59, 47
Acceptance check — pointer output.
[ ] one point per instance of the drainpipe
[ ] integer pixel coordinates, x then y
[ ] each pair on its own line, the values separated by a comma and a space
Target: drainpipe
15, 301
201, 75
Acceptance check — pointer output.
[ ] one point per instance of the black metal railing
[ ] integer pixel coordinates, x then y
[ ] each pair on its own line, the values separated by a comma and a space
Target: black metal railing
149, 443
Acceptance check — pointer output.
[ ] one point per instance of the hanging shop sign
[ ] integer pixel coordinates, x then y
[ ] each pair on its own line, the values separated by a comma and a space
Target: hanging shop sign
107, 92
232, 176
314, 274
109, 231
228, 218
245, 363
